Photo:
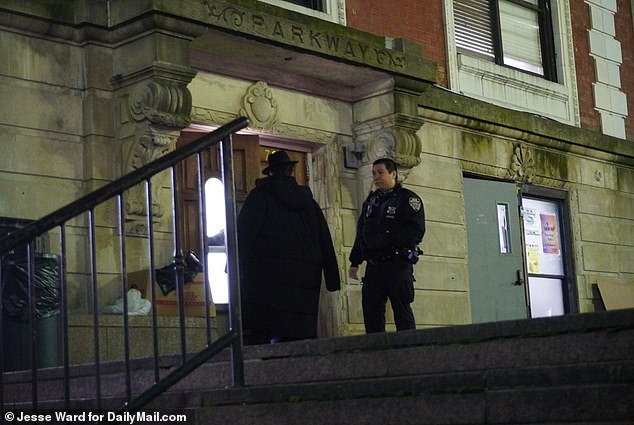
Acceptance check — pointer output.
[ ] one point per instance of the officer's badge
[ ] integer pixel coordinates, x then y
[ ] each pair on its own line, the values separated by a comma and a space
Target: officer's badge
415, 203
391, 210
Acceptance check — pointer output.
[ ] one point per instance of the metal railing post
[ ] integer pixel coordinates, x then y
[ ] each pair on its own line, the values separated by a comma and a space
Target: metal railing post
95, 303
124, 292
151, 274
179, 263
32, 320
231, 240
2, 347
204, 247
64, 315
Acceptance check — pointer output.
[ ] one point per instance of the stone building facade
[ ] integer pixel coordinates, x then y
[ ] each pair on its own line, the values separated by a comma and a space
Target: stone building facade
94, 89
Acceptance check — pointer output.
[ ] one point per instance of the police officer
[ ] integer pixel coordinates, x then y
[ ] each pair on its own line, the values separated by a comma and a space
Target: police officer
390, 227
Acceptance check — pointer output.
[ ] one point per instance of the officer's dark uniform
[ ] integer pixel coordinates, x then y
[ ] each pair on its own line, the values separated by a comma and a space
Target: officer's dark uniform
391, 225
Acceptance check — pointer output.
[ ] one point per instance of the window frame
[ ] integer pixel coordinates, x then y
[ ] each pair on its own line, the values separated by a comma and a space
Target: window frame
546, 34
473, 76
561, 199
334, 10
318, 5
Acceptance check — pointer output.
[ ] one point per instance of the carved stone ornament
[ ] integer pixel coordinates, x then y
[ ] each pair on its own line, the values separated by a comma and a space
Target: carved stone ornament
522, 168
381, 146
153, 144
259, 106
162, 102
408, 147
400, 143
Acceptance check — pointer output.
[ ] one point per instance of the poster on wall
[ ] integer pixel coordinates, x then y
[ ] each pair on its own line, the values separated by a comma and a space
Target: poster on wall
532, 253
550, 240
531, 223
542, 237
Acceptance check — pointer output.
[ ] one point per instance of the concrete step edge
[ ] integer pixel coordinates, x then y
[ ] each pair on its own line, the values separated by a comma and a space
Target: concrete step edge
462, 334
597, 404
438, 383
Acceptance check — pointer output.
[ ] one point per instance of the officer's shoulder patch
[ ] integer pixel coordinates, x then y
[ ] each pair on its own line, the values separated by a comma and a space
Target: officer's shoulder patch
415, 203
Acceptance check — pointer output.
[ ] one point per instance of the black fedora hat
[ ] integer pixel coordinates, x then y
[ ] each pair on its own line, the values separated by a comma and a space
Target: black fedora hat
278, 159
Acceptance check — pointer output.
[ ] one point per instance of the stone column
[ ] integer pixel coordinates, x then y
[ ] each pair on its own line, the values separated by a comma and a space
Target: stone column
153, 103
392, 132
153, 111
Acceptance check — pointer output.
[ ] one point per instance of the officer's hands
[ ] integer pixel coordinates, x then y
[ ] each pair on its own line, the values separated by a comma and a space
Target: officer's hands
353, 273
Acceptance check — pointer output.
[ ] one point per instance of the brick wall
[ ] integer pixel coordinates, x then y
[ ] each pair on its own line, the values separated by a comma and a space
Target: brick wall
624, 22
419, 21
586, 71
423, 22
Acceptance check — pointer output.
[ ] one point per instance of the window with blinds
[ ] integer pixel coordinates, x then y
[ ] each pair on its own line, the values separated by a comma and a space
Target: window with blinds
311, 4
520, 37
472, 19
514, 33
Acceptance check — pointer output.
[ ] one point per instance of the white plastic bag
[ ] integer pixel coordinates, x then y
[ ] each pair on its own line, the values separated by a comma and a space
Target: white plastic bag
137, 306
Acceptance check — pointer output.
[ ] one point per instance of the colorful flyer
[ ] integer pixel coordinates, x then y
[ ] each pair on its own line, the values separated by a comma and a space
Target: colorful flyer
550, 238
533, 259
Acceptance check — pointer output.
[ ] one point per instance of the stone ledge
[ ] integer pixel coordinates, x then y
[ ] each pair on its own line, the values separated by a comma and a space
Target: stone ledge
535, 128
462, 334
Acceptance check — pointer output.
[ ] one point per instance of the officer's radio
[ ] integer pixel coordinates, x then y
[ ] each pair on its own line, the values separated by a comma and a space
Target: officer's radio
409, 255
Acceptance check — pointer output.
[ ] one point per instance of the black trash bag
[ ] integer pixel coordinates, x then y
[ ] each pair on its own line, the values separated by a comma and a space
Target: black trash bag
46, 285
166, 276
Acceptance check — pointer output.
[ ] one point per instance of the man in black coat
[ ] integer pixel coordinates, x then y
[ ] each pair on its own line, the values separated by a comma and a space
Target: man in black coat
284, 245
390, 227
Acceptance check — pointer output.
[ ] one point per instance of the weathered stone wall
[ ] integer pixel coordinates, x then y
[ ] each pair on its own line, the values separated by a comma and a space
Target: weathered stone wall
597, 175
68, 126
56, 135
49, 125
441, 275
603, 225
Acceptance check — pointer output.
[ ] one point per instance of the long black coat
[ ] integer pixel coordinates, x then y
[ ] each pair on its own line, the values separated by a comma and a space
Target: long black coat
284, 245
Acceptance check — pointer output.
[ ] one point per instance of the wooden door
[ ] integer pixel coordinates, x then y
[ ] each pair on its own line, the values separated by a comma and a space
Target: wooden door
249, 159
245, 165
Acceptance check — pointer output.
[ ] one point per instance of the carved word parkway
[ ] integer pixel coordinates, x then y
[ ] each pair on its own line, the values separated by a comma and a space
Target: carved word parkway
299, 35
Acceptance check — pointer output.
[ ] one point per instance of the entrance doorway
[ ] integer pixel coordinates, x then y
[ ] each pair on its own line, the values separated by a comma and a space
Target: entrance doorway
519, 260
551, 287
496, 267
250, 153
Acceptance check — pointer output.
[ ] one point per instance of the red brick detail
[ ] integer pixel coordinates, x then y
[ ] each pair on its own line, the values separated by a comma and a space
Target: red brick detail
624, 22
586, 72
416, 20
423, 22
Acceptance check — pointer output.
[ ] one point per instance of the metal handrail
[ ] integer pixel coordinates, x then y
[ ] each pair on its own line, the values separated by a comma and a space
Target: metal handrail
176, 375
115, 189
91, 200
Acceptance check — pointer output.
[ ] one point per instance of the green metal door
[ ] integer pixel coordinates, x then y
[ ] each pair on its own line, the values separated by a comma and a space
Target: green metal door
497, 290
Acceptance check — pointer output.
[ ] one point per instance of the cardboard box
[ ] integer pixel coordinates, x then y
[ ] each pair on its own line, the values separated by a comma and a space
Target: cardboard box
167, 305
616, 295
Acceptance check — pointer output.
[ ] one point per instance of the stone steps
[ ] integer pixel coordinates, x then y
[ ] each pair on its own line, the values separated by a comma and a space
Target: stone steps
596, 404
571, 369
